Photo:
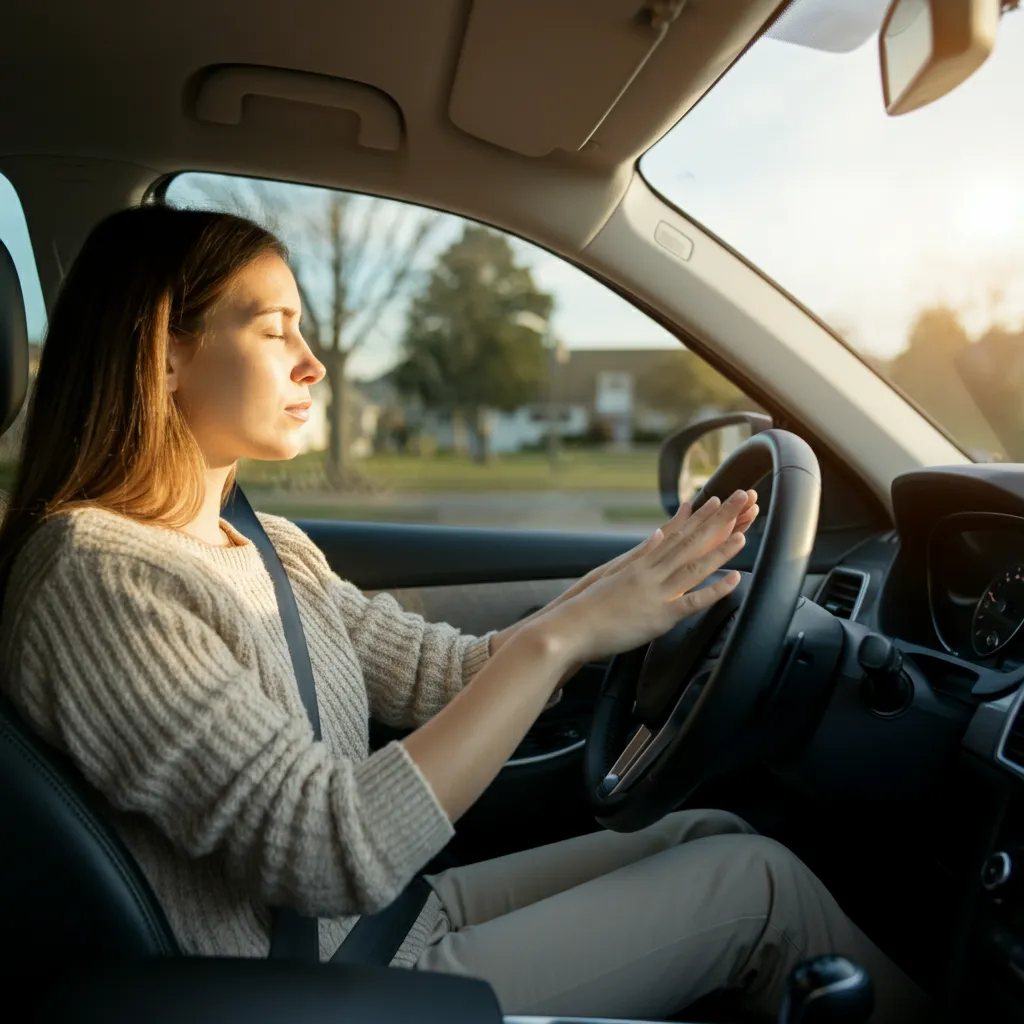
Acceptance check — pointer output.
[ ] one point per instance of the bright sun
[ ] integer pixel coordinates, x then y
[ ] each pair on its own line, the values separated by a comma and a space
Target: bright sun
990, 211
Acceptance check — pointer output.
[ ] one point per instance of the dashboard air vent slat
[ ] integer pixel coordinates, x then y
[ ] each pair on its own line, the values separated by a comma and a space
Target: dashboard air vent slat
842, 592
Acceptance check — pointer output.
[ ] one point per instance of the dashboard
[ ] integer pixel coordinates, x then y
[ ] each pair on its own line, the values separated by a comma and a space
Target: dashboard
952, 593
947, 588
976, 586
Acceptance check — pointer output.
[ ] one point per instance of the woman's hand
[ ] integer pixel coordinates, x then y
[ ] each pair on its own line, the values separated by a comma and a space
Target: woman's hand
743, 521
748, 513
652, 590
463, 747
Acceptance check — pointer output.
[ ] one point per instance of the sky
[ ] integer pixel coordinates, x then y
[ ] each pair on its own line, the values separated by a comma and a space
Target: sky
792, 160
864, 218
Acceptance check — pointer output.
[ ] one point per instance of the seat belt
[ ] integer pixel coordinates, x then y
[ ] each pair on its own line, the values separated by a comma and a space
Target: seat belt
375, 938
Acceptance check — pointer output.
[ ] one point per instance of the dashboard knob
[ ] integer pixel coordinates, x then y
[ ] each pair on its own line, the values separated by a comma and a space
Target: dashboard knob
887, 688
879, 656
997, 870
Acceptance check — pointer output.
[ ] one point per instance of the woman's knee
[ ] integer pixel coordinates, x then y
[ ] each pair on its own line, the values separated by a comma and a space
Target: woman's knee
779, 865
794, 901
686, 826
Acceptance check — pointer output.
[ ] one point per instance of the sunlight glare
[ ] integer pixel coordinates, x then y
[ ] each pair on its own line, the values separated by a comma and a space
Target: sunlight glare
989, 211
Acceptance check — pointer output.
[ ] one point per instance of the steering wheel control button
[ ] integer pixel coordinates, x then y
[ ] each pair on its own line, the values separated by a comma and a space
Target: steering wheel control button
996, 871
608, 784
888, 691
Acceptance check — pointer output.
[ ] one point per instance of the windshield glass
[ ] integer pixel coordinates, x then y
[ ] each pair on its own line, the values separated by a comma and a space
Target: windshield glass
904, 234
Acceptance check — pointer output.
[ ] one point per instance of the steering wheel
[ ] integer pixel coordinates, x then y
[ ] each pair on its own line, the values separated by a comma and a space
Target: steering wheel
685, 707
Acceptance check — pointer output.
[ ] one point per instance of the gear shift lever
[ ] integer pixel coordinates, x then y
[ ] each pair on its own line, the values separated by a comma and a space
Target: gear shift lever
827, 990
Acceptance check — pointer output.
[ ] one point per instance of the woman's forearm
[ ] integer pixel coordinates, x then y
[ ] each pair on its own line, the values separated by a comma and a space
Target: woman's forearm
578, 587
498, 640
463, 747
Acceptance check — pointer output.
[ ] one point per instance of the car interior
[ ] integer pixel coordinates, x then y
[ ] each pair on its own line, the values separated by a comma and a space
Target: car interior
856, 699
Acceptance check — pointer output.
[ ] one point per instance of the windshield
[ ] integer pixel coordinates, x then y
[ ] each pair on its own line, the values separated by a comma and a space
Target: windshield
904, 234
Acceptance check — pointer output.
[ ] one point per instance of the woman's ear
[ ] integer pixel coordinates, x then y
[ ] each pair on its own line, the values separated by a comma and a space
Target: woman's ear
175, 361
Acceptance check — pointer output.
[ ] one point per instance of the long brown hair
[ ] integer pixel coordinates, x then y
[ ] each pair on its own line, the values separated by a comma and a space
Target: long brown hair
102, 428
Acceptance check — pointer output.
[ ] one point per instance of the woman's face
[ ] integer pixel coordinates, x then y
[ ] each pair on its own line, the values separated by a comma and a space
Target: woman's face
244, 389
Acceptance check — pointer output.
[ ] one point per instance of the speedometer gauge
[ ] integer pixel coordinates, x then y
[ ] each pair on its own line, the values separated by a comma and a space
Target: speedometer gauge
999, 612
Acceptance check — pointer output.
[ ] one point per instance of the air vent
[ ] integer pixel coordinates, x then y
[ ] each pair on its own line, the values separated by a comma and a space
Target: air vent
842, 592
1011, 746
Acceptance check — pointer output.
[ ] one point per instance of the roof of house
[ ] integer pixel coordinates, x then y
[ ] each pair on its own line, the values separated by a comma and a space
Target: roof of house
576, 379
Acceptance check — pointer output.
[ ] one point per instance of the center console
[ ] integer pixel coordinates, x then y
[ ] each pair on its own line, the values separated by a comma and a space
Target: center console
997, 931
991, 958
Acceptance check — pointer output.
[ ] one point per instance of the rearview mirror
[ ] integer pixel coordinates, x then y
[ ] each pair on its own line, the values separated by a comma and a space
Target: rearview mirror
928, 47
693, 453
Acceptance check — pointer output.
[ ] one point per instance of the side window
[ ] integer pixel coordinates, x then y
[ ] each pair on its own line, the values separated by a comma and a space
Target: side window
14, 235
473, 378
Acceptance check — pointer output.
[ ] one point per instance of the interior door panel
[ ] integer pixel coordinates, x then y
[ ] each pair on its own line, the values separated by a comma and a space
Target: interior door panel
390, 556
478, 607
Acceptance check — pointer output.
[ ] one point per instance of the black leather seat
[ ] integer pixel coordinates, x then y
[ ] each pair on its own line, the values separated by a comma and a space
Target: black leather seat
70, 889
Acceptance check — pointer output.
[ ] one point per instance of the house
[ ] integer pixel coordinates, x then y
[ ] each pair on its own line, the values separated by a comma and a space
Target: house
363, 416
598, 393
610, 386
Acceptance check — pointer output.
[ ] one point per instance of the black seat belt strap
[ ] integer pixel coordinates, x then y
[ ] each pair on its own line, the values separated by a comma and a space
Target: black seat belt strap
292, 936
375, 938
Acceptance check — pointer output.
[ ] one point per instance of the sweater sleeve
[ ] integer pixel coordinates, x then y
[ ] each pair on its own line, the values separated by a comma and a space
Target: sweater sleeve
127, 667
412, 668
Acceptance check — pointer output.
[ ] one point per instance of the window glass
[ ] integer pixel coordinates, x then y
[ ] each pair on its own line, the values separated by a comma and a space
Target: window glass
483, 381
14, 235
905, 234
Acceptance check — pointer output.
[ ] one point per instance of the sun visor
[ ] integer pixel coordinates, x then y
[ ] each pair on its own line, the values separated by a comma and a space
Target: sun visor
539, 75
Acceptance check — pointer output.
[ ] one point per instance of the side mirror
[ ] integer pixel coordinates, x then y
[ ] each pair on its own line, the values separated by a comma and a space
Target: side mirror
928, 47
680, 474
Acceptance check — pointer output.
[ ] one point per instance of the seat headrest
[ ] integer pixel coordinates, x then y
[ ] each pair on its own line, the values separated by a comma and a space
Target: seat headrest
13, 342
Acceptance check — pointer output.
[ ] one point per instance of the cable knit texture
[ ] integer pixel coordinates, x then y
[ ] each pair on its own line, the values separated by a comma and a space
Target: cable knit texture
159, 664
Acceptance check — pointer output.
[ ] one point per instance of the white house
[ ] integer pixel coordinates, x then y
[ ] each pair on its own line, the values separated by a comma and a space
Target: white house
598, 392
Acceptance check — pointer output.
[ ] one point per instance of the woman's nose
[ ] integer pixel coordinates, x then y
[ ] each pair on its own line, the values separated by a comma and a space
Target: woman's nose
309, 369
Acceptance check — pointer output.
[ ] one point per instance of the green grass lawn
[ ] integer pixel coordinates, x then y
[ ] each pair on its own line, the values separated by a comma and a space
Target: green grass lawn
633, 513
579, 470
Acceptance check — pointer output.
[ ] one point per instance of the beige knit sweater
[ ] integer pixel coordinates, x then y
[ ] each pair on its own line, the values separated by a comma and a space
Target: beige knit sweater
159, 664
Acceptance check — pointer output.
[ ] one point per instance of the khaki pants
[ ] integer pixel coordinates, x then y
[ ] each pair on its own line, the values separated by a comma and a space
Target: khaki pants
641, 925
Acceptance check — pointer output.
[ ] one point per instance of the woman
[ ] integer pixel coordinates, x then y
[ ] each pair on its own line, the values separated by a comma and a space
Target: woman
141, 635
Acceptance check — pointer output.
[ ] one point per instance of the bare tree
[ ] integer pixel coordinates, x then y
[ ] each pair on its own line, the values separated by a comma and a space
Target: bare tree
355, 258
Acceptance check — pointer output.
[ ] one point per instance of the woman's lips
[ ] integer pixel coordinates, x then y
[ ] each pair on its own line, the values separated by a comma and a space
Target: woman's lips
299, 411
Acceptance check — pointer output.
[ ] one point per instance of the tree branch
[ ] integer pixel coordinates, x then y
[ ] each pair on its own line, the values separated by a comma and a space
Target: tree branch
359, 243
312, 333
387, 244
398, 281
336, 221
